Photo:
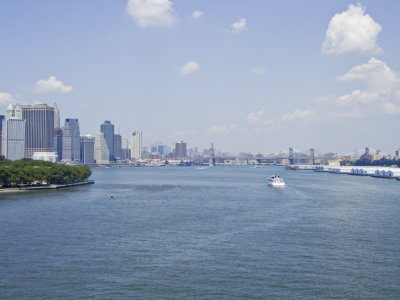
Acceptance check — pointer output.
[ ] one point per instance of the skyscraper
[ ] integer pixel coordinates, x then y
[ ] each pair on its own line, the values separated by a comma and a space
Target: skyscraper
87, 149
180, 149
13, 138
39, 131
2, 117
58, 142
56, 116
108, 129
71, 140
136, 145
117, 146
101, 153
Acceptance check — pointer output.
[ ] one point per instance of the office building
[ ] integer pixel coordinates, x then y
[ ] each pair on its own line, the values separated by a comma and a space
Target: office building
180, 149
117, 146
39, 126
13, 138
71, 141
101, 153
87, 149
108, 129
136, 145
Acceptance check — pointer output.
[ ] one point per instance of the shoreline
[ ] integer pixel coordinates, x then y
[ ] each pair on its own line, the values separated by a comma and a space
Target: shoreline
47, 187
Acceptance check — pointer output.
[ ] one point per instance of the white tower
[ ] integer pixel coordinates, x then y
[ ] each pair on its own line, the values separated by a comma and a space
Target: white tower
101, 153
136, 145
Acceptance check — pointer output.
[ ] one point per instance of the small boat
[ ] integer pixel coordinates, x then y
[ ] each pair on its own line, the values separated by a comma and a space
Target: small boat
201, 168
292, 168
276, 181
256, 167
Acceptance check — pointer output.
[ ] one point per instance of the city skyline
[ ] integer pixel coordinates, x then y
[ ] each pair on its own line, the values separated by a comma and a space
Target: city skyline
251, 77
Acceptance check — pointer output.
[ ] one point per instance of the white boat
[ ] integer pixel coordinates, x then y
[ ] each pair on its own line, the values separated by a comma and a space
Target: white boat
276, 181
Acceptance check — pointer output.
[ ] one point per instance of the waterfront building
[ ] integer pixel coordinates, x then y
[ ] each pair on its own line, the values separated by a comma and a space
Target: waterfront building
87, 149
45, 156
71, 140
180, 149
13, 138
108, 129
56, 116
39, 130
136, 145
101, 153
117, 146
2, 117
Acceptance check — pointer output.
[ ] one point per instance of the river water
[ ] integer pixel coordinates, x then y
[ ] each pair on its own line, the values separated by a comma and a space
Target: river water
217, 233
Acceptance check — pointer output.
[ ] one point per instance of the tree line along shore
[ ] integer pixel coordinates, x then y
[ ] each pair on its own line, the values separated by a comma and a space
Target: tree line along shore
29, 172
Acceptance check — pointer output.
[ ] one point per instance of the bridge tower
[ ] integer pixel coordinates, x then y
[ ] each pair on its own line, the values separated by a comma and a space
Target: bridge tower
211, 161
291, 158
312, 156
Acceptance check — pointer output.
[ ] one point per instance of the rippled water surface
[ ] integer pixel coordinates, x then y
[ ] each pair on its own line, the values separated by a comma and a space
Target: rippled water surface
174, 233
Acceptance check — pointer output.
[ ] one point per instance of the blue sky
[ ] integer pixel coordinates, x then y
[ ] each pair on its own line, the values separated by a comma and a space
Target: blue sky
261, 85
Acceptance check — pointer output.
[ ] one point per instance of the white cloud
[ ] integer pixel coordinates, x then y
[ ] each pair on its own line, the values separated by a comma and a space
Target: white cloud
375, 73
147, 13
6, 98
189, 68
257, 117
382, 84
296, 114
258, 70
197, 14
239, 26
223, 129
352, 32
51, 85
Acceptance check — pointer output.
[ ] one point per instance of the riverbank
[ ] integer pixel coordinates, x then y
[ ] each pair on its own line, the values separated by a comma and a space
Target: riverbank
46, 187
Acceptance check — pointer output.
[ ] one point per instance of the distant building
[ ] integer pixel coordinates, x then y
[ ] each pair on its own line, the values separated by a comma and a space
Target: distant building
101, 153
39, 130
13, 138
71, 141
58, 142
117, 146
136, 145
2, 117
56, 116
45, 156
125, 152
87, 149
108, 129
180, 149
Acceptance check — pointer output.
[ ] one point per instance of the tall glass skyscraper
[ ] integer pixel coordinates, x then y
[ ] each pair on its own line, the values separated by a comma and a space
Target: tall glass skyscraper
71, 141
108, 129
